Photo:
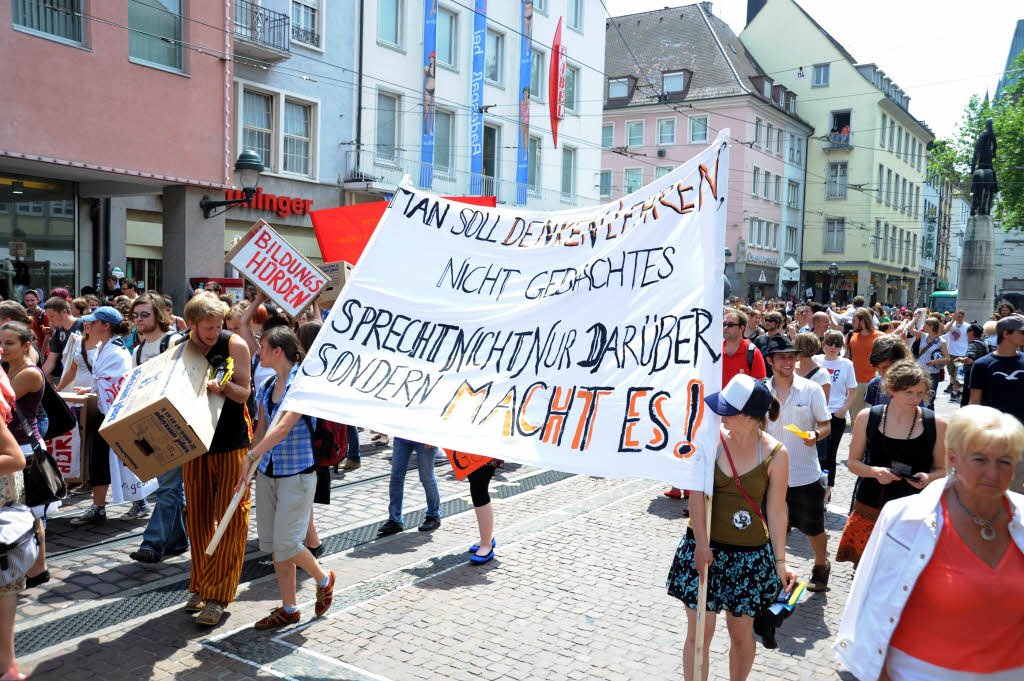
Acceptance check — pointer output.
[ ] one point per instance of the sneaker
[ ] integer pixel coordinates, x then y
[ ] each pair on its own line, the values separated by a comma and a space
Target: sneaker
195, 603
389, 528
351, 464
430, 523
96, 514
324, 596
144, 556
139, 510
948, 389
819, 577
278, 617
211, 614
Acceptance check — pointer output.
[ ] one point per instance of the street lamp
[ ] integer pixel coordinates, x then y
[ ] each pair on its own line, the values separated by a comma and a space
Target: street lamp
249, 165
833, 273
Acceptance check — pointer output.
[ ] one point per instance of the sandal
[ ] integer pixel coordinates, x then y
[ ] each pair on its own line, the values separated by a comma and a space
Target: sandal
195, 603
211, 614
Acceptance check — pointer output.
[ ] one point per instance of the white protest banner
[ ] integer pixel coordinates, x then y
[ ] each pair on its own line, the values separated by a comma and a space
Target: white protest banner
276, 268
67, 450
581, 341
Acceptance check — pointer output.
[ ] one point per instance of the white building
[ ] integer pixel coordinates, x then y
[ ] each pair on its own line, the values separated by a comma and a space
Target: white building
390, 138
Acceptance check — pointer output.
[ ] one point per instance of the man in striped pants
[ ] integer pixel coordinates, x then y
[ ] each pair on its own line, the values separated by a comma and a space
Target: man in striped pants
210, 479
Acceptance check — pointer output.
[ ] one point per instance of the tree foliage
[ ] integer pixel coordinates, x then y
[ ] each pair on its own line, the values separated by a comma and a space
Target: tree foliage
951, 157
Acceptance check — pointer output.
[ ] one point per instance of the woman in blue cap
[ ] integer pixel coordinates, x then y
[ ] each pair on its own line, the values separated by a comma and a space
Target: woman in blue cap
743, 551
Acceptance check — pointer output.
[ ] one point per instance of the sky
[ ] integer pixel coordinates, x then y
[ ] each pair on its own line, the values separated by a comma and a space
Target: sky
938, 51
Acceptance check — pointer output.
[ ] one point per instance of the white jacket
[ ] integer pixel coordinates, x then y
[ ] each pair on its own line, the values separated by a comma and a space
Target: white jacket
900, 547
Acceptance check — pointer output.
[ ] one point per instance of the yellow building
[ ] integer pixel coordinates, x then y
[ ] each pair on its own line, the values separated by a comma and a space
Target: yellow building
865, 167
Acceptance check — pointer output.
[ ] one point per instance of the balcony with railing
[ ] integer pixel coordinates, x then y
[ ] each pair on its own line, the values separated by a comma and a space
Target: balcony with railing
381, 171
838, 141
261, 33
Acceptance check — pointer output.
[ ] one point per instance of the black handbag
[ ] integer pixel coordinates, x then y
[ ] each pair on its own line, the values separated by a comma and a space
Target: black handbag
61, 420
44, 483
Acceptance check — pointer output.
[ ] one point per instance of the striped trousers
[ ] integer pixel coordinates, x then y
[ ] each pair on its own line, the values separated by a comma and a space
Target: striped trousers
209, 484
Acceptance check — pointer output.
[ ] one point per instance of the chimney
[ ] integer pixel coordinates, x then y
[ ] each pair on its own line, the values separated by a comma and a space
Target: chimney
706, 6
753, 7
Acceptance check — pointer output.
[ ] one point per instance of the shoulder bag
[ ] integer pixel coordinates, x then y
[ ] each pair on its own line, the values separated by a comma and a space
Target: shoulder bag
44, 483
19, 542
61, 420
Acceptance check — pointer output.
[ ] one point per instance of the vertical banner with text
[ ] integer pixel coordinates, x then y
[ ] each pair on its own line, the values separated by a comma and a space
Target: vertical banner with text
476, 100
525, 50
429, 85
581, 341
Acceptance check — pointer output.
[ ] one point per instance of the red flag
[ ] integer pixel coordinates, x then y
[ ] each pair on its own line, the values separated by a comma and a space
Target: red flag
343, 232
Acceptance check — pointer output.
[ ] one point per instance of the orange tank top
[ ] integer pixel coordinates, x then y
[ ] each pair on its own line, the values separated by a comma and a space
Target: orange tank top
964, 615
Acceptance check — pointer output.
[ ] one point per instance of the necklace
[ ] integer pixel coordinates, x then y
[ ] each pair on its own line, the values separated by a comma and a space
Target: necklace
988, 533
885, 414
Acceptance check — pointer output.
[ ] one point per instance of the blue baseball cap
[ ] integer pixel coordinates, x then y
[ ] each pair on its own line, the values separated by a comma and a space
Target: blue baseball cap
106, 314
744, 395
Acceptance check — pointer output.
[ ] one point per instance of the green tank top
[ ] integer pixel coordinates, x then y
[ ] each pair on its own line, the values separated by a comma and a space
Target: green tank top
733, 520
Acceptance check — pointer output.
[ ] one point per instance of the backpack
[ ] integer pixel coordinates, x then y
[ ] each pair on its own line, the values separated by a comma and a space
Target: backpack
19, 542
326, 439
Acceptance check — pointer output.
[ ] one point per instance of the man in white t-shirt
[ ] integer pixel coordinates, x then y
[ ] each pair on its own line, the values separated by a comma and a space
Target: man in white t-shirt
842, 393
955, 335
803, 405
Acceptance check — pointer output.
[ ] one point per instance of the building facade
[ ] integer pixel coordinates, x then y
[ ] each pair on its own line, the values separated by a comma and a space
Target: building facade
961, 213
865, 169
475, 99
928, 281
675, 78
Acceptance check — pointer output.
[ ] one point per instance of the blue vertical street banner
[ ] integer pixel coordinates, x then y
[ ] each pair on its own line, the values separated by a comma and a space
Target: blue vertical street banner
523, 95
429, 85
476, 99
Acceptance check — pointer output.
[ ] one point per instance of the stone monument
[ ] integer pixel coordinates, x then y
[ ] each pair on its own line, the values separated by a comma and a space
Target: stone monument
976, 292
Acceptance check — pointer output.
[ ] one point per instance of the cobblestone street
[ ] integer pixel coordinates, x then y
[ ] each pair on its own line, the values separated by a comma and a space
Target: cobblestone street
577, 591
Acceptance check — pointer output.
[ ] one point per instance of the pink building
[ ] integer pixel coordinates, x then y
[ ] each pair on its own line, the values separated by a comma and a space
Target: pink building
104, 102
697, 79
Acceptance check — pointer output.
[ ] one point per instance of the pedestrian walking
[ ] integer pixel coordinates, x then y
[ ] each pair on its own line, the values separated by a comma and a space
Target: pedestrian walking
840, 397
931, 353
864, 334
743, 551
803, 406
210, 479
885, 351
400, 455
939, 595
976, 349
285, 481
955, 337
905, 442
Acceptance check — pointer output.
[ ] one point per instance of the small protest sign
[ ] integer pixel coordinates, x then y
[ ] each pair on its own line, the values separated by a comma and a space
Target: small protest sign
67, 450
276, 268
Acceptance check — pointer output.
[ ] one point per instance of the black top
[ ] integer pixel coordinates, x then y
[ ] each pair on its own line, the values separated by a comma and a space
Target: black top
58, 340
1000, 380
234, 429
761, 343
975, 350
916, 453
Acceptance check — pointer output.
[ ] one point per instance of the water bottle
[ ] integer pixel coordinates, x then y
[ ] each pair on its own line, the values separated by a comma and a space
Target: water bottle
824, 479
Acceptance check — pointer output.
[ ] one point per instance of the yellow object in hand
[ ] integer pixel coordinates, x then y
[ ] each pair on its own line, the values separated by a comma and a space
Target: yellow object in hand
796, 431
222, 374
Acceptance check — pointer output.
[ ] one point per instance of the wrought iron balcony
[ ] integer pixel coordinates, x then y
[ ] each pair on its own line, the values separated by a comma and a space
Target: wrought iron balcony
261, 33
305, 35
835, 141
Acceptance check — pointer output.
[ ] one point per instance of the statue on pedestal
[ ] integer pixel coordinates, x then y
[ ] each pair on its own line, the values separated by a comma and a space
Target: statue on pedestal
983, 177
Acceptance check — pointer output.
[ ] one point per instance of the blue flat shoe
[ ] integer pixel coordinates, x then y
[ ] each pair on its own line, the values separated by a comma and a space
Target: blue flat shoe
474, 548
480, 560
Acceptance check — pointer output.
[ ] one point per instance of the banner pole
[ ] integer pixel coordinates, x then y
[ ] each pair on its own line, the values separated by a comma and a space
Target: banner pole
702, 603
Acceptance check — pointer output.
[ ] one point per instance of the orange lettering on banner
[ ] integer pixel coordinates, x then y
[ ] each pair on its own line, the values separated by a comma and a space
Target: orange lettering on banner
463, 464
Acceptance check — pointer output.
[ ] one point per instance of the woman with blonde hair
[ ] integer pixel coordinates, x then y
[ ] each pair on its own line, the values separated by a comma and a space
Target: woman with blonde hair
939, 594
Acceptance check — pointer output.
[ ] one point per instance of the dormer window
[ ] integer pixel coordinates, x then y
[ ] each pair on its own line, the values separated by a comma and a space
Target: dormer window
618, 87
674, 82
767, 88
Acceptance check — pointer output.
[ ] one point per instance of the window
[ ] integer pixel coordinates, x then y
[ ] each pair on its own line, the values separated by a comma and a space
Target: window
896, 191
920, 154
878, 236
835, 235
541, 6
608, 135
448, 38
618, 87
836, 188
906, 146
757, 179
387, 126
537, 75
913, 149
881, 182
768, 137
606, 183
885, 241
666, 131
572, 80
62, 209
305, 18
791, 236
888, 187
297, 137
568, 171
796, 154
892, 243
634, 133
821, 75
899, 251
757, 131
892, 132
778, 189
574, 15
778, 143
443, 141
698, 129
662, 171
673, 82
913, 252
31, 208
51, 18
533, 167
904, 205
793, 195
754, 236
767, 184
389, 18
258, 125
632, 179
494, 59
899, 141
156, 32
881, 141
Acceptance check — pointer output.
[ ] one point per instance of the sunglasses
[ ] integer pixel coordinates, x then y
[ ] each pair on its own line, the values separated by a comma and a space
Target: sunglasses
728, 324
834, 344
141, 315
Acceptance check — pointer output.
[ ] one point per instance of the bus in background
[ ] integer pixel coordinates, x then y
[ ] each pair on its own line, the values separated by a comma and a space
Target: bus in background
942, 301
